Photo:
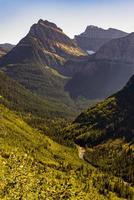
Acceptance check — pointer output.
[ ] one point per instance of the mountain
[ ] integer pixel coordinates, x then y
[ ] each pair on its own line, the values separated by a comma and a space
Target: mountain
2, 52
4, 48
50, 64
107, 133
7, 47
94, 37
45, 44
105, 72
33, 62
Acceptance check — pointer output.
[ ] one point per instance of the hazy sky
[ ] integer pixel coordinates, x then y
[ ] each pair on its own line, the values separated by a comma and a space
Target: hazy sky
17, 16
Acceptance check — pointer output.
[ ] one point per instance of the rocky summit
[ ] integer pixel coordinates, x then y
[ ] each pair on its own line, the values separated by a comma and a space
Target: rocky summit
45, 44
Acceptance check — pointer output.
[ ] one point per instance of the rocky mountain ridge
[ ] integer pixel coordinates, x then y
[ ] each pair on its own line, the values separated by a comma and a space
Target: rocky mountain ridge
94, 37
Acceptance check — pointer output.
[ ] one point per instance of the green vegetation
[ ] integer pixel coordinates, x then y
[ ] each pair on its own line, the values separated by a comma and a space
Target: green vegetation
115, 157
16, 97
38, 157
47, 115
106, 130
32, 166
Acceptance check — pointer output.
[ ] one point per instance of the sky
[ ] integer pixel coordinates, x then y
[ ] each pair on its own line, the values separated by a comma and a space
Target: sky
73, 16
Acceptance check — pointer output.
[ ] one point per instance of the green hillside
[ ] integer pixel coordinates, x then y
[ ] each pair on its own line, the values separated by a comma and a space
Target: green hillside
16, 97
112, 117
106, 131
44, 114
32, 166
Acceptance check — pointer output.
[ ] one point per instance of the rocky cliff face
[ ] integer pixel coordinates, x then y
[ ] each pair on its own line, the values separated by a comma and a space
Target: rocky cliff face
94, 37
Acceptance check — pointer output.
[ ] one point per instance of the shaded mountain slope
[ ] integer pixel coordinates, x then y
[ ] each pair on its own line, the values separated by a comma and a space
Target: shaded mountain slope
97, 79
120, 49
94, 37
105, 72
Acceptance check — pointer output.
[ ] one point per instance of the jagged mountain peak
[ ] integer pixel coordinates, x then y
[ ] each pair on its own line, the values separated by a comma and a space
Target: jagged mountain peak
46, 28
49, 24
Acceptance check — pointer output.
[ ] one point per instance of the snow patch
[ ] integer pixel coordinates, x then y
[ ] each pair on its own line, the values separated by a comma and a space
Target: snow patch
90, 52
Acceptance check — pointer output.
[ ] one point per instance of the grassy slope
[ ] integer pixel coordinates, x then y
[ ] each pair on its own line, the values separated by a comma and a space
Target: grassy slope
32, 166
